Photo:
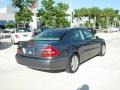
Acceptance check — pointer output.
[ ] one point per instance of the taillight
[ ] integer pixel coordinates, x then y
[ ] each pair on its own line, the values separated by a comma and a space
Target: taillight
18, 51
17, 36
50, 51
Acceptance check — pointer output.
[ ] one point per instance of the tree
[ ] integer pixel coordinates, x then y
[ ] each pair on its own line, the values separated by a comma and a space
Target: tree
109, 14
95, 13
9, 25
84, 12
81, 12
24, 14
102, 18
23, 3
118, 18
46, 12
53, 15
60, 15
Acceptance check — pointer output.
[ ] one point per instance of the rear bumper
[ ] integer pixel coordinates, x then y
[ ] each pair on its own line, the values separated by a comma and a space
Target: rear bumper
42, 64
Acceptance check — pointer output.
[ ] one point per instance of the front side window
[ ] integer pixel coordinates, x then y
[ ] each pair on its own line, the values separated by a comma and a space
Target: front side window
82, 35
87, 34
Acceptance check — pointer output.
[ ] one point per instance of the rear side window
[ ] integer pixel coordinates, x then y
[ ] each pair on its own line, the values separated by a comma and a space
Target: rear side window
75, 35
50, 35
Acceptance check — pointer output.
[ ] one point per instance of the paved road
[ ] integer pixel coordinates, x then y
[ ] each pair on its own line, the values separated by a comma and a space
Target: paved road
99, 73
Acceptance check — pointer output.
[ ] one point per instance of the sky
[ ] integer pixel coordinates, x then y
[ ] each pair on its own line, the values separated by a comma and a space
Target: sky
75, 4
3, 3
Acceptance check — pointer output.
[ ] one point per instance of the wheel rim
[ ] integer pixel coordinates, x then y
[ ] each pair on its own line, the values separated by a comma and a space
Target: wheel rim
103, 49
74, 63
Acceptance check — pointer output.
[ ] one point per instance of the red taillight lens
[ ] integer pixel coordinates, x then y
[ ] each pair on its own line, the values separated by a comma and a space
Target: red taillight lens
18, 51
50, 51
17, 36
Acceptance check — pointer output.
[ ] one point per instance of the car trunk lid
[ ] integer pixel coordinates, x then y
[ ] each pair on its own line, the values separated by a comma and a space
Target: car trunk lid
34, 48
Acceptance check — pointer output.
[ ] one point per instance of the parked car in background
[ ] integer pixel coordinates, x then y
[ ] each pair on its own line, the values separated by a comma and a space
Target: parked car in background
113, 29
0, 35
21, 34
58, 49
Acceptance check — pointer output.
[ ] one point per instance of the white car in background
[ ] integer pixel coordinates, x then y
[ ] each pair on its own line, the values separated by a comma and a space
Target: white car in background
21, 34
113, 29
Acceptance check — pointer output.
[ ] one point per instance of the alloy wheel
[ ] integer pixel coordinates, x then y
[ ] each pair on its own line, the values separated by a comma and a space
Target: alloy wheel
103, 50
74, 63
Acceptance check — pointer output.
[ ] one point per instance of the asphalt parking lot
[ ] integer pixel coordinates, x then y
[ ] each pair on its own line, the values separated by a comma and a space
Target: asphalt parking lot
99, 73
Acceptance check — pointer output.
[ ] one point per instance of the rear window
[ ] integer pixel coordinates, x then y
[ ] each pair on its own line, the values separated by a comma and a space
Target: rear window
50, 35
21, 30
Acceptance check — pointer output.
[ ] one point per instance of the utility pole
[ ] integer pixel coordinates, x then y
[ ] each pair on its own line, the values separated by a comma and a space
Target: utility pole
71, 14
33, 24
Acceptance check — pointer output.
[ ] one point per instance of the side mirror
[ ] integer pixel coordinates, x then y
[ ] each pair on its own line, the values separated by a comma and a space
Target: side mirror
95, 37
94, 32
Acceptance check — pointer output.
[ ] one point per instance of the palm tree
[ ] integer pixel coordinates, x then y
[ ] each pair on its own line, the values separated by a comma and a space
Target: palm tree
80, 12
118, 18
83, 12
95, 14
104, 18
90, 13
108, 14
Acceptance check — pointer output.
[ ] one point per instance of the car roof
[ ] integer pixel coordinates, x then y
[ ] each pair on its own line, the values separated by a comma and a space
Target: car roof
66, 29
69, 28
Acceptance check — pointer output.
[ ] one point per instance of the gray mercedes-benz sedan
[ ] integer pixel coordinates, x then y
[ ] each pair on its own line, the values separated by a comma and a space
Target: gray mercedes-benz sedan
58, 49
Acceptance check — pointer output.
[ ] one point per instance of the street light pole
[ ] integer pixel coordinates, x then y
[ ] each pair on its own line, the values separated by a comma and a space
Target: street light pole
70, 6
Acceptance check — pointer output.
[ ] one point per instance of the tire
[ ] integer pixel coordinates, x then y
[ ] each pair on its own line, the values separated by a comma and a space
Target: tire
103, 50
73, 64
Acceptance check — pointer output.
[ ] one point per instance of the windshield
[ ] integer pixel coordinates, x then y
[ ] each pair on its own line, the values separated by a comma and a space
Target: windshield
21, 30
50, 35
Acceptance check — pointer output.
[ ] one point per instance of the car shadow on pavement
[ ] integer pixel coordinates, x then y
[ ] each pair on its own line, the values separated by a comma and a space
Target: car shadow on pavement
5, 45
49, 71
54, 71
83, 87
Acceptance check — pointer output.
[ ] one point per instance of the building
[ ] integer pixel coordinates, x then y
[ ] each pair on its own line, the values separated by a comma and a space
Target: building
7, 15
